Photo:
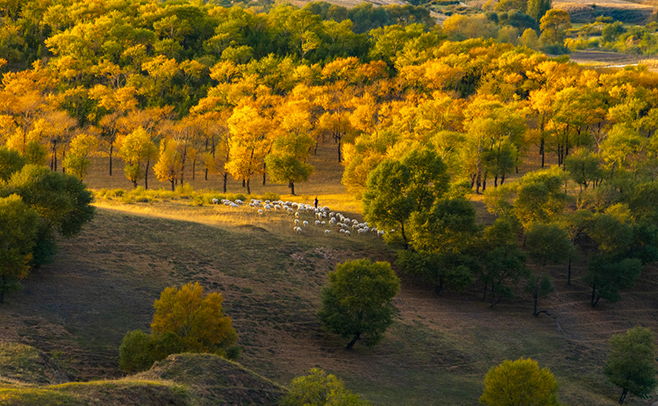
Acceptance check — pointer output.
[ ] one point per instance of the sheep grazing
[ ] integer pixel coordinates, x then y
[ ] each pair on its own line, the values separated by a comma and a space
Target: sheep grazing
323, 223
296, 214
327, 231
297, 222
215, 201
260, 211
298, 230
317, 222
347, 233
277, 207
233, 205
305, 223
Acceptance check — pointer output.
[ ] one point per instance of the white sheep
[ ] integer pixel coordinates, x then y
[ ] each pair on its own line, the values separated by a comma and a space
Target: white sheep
297, 222
260, 211
347, 233
297, 214
305, 223
317, 222
327, 231
298, 230
215, 201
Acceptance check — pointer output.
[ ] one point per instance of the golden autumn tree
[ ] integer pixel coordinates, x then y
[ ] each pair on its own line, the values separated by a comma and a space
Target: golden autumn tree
138, 151
519, 382
77, 159
196, 318
169, 164
249, 143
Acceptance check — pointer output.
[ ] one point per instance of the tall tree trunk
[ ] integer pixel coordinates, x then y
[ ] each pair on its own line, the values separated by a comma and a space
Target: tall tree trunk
194, 169
265, 173
206, 174
292, 188
172, 186
404, 236
354, 340
2, 290
621, 398
225, 179
248, 188
541, 150
111, 150
63, 156
146, 174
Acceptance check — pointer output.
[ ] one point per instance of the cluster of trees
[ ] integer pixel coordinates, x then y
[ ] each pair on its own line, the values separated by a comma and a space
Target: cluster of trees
185, 320
35, 205
256, 93
606, 33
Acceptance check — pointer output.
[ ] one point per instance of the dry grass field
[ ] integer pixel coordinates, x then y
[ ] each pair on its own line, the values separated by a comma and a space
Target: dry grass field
103, 284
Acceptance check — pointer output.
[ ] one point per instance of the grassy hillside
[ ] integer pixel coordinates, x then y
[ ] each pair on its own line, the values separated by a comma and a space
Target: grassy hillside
181, 379
104, 282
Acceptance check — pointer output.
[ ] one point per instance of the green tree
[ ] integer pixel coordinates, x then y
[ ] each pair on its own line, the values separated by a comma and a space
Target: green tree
357, 303
61, 200
538, 8
520, 382
10, 161
287, 161
397, 189
502, 264
320, 389
17, 238
197, 319
631, 363
554, 25
546, 243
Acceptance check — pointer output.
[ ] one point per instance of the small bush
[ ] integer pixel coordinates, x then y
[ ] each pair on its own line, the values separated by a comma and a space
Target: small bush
185, 190
270, 196
165, 344
135, 352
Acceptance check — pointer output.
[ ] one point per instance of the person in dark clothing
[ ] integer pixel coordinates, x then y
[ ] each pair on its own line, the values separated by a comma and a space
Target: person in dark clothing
316, 202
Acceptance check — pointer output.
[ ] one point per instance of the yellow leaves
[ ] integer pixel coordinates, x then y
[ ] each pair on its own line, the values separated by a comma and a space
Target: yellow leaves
197, 319
161, 68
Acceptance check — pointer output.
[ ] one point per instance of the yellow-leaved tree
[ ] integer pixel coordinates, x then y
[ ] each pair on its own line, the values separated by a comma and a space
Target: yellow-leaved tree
197, 319
519, 382
185, 320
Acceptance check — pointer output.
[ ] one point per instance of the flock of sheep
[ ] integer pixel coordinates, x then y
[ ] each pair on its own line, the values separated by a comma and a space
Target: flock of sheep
324, 217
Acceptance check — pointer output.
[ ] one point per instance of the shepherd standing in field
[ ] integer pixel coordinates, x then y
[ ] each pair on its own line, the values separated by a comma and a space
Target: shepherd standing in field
316, 202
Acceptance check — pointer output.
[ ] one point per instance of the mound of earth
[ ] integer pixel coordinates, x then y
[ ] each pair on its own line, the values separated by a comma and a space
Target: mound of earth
29, 377
213, 380
26, 365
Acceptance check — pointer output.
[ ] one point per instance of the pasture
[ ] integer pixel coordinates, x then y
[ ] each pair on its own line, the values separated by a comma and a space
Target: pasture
104, 282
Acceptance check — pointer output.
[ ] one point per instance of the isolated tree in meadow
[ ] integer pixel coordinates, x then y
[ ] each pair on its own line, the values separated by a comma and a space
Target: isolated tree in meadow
320, 389
196, 318
520, 382
631, 363
138, 150
357, 304
17, 238
545, 243
77, 158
